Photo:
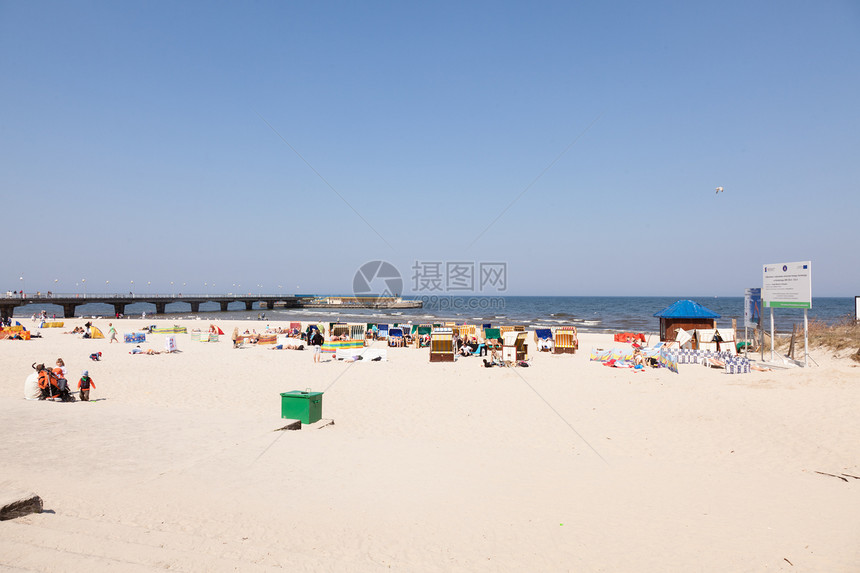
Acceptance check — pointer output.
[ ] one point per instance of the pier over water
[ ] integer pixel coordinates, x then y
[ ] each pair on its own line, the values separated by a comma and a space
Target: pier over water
70, 302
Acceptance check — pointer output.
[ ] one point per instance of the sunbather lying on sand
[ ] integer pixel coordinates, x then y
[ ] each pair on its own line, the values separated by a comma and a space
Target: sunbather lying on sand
139, 350
714, 363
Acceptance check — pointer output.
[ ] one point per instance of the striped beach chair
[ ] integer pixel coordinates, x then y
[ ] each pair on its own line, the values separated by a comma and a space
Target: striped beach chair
442, 345
566, 341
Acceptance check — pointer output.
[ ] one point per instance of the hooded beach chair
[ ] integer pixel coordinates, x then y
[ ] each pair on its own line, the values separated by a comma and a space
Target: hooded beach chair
340, 329
726, 340
421, 335
682, 337
514, 348
442, 345
382, 332
492, 336
356, 331
566, 341
395, 337
543, 339
705, 339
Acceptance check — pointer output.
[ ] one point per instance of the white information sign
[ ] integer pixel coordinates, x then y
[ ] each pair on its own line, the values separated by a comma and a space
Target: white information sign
787, 285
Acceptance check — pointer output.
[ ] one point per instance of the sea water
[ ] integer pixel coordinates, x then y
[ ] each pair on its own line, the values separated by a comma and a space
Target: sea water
587, 313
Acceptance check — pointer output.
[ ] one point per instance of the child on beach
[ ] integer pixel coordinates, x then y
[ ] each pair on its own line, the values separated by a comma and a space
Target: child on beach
60, 371
317, 342
61, 367
112, 333
84, 384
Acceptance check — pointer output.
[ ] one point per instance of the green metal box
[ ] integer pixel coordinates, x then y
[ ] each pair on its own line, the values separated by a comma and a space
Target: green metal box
301, 405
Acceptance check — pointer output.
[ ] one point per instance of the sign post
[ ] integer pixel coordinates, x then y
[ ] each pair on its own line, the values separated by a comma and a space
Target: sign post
788, 285
752, 312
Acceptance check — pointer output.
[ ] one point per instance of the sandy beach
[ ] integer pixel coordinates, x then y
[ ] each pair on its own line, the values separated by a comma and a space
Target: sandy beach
566, 465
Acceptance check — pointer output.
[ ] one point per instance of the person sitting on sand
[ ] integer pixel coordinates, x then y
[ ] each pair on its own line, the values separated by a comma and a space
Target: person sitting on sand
494, 360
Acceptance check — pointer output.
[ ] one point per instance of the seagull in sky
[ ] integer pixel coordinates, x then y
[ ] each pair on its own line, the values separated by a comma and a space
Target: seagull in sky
719, 189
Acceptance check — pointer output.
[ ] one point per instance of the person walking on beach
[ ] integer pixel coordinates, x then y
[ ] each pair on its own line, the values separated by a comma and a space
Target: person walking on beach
317, 342
112, 333
235, 337
84, 384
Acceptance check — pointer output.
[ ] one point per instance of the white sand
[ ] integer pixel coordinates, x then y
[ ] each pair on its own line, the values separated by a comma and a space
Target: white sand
563, 466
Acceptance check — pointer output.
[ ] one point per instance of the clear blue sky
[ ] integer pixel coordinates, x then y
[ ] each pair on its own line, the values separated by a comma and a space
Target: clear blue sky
136, 145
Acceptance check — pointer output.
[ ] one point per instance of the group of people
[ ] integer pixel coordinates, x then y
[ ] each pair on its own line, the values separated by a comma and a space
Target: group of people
43, 315
53, 384
250, 336
469, 346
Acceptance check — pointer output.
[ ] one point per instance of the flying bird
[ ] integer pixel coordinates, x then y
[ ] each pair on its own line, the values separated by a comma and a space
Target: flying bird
719, 189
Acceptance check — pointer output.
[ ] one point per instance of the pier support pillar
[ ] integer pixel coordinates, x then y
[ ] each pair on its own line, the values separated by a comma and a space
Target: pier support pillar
69, 309
195, 306
159, 307
269, 305
224, 304
7, 309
